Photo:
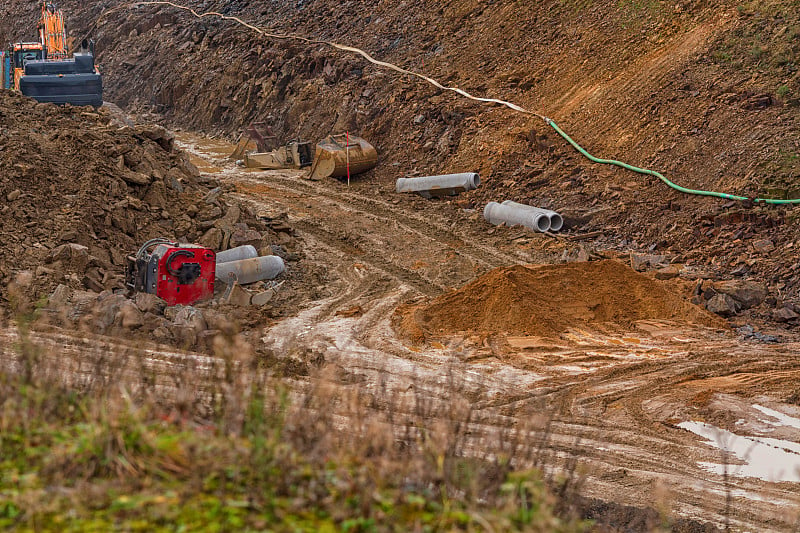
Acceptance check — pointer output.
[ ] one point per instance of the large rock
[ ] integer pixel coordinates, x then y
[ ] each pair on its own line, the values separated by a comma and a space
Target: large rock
747, 294
722, 305
243, 235
60, 296
136, 178
785, 314
642, 262
212, 239
157, 195
188, 324
74, 257
149, 303
130, 317
157, 134
106, 310
220, 322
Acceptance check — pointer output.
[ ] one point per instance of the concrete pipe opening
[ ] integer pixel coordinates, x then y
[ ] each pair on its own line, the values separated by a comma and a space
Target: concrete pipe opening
556, 222
543, 224
513, 215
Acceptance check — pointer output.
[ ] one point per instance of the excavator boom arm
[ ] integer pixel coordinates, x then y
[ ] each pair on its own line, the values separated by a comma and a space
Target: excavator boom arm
52, 33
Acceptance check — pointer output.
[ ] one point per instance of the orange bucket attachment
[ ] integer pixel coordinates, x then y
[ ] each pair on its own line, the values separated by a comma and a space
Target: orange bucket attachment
334, 153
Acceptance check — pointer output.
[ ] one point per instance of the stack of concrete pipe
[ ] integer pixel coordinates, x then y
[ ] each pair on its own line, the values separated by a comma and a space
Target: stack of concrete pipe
242, 265
444, 185
513, 213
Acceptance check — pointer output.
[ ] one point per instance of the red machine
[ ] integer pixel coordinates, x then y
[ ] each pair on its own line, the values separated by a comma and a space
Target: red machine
176, 273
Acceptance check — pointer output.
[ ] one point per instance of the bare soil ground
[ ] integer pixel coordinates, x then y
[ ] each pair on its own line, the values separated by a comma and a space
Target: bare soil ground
630, 375
618, 385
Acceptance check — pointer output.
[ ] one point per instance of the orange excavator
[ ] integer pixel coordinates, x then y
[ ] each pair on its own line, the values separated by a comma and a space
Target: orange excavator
44, 71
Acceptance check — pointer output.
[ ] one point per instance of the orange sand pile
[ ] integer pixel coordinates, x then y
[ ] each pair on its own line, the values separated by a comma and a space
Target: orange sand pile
547, 300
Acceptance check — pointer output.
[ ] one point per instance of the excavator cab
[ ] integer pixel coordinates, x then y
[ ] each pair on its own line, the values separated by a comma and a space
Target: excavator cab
19, 55
24, 55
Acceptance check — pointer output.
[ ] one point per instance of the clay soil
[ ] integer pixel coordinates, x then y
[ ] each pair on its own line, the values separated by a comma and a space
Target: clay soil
395, 291
546, 301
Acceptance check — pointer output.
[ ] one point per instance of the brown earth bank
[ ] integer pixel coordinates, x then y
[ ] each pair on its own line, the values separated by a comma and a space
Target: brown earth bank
546, 301
705, 91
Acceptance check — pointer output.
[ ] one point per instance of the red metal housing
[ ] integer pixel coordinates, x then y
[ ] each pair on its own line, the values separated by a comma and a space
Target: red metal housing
176, 273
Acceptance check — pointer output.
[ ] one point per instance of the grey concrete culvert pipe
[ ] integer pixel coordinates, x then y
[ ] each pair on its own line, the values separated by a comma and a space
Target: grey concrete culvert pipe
444, 185
246, 271
556, 221
247, 251
498, 213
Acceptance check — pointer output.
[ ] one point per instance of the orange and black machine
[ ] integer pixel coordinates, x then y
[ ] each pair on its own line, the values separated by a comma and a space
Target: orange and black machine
43, 70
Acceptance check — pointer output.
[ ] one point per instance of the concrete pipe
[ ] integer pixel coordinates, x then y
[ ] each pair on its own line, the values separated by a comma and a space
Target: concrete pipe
445, 185
246, 271
234, 254
556, 221
498, 213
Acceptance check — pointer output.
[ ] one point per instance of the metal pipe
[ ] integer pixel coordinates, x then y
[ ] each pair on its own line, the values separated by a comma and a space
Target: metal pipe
246, 271
444, 185
512, 215
246, 251
556, 221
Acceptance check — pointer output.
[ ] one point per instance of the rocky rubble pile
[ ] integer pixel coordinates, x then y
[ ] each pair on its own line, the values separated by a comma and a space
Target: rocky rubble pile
81, 190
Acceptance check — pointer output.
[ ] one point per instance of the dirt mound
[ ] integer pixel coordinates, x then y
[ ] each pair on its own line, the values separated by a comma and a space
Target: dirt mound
81, 190
547, 300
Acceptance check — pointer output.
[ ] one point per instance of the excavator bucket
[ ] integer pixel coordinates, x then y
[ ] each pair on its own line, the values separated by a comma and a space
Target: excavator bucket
243, 145
338, 154
258, 137
294, 155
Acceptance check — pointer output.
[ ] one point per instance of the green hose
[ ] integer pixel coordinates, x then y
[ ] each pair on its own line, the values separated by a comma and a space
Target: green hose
661, 176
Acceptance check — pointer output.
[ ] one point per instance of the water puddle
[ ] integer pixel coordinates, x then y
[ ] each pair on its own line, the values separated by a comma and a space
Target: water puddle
765, 458
210, 156
783, 419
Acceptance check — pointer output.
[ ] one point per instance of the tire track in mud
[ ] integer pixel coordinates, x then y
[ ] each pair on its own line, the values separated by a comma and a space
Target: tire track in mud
386, 212
662, 450
360, 243
420, 283
602, 398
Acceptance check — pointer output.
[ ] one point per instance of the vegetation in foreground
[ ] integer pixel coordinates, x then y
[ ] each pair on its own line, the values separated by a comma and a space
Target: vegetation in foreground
138, 444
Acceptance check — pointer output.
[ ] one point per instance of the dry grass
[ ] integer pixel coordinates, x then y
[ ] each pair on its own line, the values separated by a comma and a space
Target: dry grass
113, 439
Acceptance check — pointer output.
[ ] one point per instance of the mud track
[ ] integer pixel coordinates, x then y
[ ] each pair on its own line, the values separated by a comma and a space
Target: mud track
614, 401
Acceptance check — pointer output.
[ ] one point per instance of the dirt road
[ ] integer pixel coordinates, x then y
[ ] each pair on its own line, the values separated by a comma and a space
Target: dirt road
617, 400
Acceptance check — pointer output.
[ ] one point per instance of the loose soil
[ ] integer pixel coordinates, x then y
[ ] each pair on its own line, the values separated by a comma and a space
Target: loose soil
705, 91
79, 176
546, 301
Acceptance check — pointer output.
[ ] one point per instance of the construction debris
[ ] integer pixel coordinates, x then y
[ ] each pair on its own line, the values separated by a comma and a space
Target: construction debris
444, 185
343, 155
296, 155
